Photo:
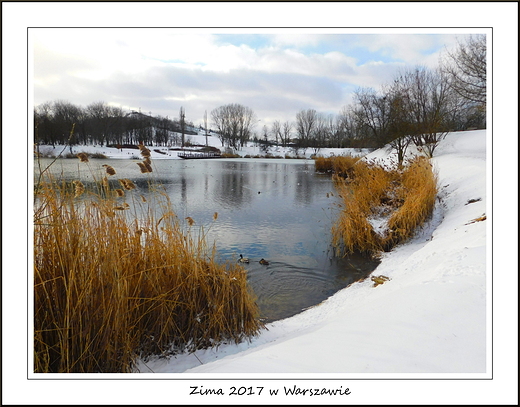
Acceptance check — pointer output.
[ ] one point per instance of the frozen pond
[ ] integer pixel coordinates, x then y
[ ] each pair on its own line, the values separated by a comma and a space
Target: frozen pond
275, 209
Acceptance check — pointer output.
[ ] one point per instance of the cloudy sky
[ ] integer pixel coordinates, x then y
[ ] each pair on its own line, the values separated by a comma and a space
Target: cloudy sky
274, 73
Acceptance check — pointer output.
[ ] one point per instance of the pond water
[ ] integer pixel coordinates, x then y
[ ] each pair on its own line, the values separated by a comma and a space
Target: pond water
276, 209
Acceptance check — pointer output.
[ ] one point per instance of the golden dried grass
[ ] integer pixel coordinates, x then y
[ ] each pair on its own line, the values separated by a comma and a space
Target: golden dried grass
418, 193
404, 195
339, 165
111, 285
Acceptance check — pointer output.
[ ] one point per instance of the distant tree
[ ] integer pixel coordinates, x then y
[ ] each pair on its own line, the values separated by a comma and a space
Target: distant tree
306, 122
182, 123
44, 124
285, 134
372, 115
162, 134
265, 139
334, 132
347, 129
65, 115
426, 100
400, 129
276, 131
466, 69
320, 135
206, 125
105, 123
234, 124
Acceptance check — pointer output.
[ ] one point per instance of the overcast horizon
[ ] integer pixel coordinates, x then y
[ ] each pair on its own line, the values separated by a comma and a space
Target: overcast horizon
158, 70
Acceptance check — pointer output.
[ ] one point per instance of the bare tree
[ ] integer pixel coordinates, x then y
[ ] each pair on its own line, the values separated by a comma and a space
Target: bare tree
182, 123
372, 114
466, 69
400, 129
276, 130
64, 116
44, 124
286, 133
347, 127
234, 123
335, 133
265, 140
321, 133
426, 101
306, 121
104, 122
206, 125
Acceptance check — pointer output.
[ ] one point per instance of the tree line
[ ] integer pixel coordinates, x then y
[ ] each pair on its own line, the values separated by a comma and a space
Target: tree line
420, 105
62, 122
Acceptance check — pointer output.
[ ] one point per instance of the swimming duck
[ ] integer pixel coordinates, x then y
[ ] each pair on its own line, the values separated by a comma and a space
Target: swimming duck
243, 259
264, 262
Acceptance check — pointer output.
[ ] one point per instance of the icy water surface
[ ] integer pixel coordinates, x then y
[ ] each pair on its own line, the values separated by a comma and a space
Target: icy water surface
275, 209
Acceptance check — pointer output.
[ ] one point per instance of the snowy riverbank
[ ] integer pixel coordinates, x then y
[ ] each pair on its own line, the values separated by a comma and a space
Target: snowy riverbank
196, 142
429, 318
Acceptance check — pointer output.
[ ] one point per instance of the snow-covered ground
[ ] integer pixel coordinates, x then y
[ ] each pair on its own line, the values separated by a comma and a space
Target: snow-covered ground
251, 149
431, 320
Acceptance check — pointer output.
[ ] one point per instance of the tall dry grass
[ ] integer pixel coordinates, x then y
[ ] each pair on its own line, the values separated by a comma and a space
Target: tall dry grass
401, 198
113, 283
417, 192
341, 166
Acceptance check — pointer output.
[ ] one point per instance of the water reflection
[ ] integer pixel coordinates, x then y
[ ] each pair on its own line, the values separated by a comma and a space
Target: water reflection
280, 210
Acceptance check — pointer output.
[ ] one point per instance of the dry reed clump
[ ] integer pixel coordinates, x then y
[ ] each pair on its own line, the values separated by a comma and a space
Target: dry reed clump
341, 166
399, 200
418, 192
112, 284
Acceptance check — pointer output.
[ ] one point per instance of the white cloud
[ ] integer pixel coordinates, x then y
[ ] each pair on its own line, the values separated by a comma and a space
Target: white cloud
161, 69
